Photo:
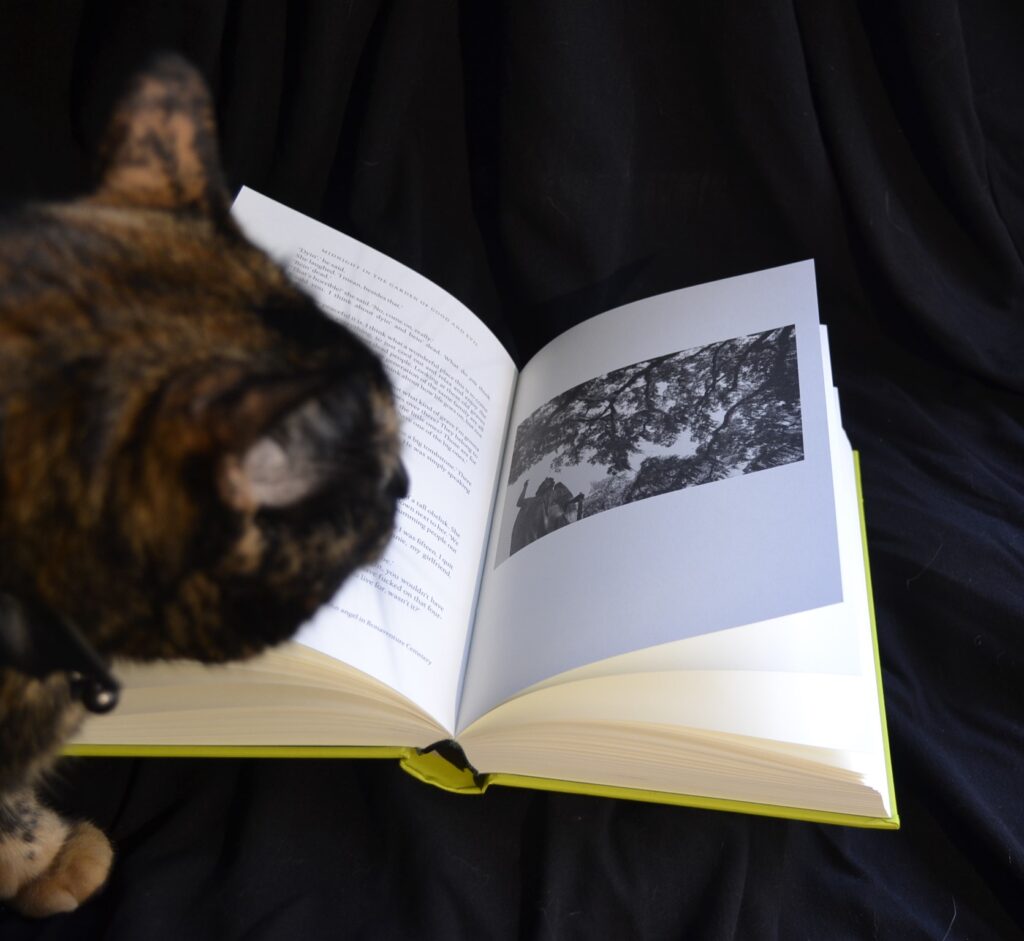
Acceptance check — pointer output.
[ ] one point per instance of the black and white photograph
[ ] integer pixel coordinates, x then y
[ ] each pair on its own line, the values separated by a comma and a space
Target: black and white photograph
680, 420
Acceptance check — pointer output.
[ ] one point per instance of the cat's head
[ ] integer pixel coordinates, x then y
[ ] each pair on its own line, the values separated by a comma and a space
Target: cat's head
192, 456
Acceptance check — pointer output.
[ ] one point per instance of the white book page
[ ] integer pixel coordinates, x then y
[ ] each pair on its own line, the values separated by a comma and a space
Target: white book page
717, 683
820, 640
756, 544
405, 620
726, 666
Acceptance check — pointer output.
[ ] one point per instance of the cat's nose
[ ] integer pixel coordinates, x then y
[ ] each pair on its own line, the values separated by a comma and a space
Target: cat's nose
397, 488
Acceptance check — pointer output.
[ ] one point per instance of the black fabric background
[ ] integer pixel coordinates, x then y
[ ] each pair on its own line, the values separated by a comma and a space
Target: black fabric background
545, 160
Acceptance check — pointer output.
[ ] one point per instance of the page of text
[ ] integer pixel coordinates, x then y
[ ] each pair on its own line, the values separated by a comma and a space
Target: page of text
405, 620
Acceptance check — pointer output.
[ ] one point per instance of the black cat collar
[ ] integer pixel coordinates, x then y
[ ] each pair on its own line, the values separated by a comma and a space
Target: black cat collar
37, 642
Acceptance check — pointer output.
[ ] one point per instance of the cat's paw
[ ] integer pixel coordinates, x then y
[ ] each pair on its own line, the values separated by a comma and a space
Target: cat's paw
76, 872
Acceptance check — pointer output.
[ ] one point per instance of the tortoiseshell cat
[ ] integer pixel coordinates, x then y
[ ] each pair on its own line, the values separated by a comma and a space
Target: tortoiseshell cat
192, 456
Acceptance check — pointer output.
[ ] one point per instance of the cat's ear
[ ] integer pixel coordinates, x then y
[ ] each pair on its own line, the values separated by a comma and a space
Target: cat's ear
269, 436
160, 147
287, 439
292, 459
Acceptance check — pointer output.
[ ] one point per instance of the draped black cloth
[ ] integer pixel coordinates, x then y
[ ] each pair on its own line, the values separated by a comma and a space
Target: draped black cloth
545, 160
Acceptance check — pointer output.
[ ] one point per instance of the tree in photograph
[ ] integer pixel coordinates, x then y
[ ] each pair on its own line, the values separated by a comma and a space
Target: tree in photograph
670, 472
737, 401
606, 493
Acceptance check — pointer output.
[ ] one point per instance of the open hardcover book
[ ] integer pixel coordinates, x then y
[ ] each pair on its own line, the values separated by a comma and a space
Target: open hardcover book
635, 568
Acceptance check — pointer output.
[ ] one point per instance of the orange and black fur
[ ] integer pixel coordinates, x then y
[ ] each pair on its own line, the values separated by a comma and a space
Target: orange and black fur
192, 457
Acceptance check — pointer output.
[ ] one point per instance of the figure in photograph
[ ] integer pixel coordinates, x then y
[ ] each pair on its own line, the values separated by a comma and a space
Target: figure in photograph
551, 507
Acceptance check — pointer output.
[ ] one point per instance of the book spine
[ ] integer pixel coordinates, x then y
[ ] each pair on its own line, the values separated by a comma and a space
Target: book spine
444, 765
